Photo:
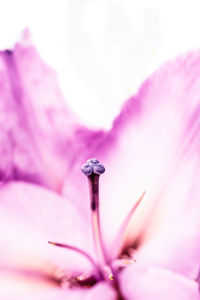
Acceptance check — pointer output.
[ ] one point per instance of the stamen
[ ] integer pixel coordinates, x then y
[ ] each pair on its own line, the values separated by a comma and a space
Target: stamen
84, 276
120, 236
86, 279
93, 169
81, 252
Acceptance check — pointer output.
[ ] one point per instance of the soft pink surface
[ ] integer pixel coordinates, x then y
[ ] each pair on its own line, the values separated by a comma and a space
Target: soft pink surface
37, 128
30, 216
51, 293
29, 267
153, 145
140, 282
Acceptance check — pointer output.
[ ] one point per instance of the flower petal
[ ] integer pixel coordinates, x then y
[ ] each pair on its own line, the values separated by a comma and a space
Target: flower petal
29, 217
101, 291
16, 287
154, 146
172, 237
95, 293
37, 128
50, 293
150, 283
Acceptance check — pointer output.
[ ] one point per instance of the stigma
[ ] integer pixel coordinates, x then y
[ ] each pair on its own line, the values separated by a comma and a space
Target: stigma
92, 167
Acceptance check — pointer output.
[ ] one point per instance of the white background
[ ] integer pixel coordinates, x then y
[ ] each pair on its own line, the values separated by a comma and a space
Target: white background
102, 49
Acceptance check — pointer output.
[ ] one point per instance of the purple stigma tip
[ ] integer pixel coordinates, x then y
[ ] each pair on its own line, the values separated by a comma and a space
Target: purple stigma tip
92, 161
98, 169
87, 169
93, 166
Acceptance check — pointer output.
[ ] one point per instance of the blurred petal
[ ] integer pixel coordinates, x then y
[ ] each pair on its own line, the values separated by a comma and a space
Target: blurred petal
172, 238
48, 293
29, 217
36, 126
16, 287
58, 294
139, 282
154, 146
101, 291
96, 293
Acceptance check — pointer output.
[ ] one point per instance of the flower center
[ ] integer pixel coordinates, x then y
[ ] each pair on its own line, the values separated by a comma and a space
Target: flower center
104, 269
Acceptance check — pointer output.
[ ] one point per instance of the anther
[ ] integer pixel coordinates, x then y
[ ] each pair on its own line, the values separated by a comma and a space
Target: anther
111, 277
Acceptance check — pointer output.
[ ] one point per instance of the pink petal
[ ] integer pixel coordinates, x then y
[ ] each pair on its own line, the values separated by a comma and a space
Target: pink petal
154, 146
139, 282
48, 293
58, 294
172, 237
101, 291
29, 217
98, 292
16, 287
36, 126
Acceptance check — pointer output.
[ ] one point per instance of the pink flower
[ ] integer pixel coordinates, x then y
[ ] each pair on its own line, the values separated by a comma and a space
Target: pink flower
150, 253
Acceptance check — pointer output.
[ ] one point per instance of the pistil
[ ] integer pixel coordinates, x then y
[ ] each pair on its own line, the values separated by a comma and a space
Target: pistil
93, 169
